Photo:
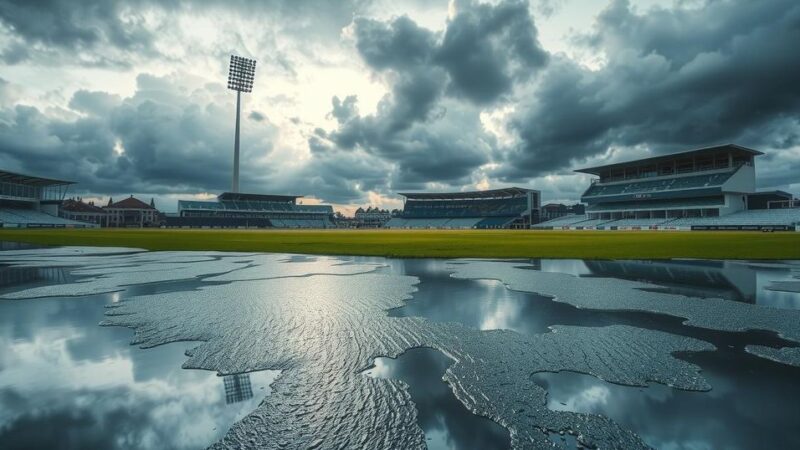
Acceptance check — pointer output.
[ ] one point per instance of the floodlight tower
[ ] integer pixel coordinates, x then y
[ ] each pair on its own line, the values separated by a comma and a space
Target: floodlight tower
240, 79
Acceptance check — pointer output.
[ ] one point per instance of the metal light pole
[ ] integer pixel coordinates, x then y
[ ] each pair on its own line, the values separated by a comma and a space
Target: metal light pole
240, 79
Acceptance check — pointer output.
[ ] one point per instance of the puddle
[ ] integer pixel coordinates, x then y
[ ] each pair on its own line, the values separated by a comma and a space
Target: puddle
446, 422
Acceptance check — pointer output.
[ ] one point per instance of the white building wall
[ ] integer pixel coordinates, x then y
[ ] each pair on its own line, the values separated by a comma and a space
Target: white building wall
733, 203
743, 181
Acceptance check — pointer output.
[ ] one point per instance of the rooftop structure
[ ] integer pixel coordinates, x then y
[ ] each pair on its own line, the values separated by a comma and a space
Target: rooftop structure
130, 203
132, 212
77, 209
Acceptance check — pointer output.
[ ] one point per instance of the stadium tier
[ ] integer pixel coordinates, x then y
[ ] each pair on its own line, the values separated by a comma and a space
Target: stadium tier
32, 202
706, 188
499, 208
705, 182
239, 210
776, 218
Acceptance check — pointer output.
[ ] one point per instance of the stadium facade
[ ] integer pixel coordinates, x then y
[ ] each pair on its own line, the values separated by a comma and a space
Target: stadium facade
241, 210
491, 209
704, 188
28, 201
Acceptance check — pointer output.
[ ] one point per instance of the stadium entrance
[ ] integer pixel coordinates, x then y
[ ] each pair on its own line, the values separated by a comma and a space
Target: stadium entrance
499, 208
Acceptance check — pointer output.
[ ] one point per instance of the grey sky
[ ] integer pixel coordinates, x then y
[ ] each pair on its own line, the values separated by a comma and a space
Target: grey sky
358, 99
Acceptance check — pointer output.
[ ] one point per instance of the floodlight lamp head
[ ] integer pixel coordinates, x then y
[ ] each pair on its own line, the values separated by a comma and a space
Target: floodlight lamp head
241, 73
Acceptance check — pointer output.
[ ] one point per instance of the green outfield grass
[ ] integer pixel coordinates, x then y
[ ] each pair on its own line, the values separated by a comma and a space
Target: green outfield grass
438, 243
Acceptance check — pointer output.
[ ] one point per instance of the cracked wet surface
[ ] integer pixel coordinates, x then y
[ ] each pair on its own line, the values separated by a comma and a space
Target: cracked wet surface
321, 321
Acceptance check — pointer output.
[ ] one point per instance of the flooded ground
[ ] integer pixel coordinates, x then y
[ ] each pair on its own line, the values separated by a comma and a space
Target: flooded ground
383, 353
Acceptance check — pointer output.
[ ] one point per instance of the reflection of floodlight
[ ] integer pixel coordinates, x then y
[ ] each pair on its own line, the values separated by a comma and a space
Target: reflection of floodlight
240, 79
237, 388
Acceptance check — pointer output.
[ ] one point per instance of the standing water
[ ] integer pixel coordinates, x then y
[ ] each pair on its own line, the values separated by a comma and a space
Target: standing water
383, 353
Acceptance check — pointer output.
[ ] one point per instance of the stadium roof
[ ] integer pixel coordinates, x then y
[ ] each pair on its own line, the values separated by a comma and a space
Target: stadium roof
257, 197
79, 206
596, 170
130, 203
782, 194
11, 177
492, 193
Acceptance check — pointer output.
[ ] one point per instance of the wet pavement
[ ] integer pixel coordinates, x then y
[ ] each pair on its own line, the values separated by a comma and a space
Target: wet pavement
90, 388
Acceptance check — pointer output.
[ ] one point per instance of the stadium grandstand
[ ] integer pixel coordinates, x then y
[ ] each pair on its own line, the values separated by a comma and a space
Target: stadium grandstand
240, 210
372, 217
498, 208
705, 188
555, 210
28, 201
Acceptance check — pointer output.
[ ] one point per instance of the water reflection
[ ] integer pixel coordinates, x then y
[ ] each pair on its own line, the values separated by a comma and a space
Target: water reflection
11, 245
721, 279
14, 277
742, 411
489, 305
659, 414
237, 388
61, 372
446, 422
88, 388
739, 281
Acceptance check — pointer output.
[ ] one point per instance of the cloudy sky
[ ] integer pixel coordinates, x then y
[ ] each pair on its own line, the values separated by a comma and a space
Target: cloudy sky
356, 100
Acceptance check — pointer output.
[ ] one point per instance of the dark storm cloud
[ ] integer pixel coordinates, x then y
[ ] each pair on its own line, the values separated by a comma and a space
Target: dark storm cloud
15, 53
4, 90
486, 47
674, 78
158, 140
98, 103
178, 141
399, 44
63, 149
344, 110
75, 25
339, 177
257, 116
483, 49
117, 33
420, 126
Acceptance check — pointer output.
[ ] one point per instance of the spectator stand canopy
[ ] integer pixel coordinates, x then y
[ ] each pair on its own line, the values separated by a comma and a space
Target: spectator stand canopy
732, 150
20, 187
469, 195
